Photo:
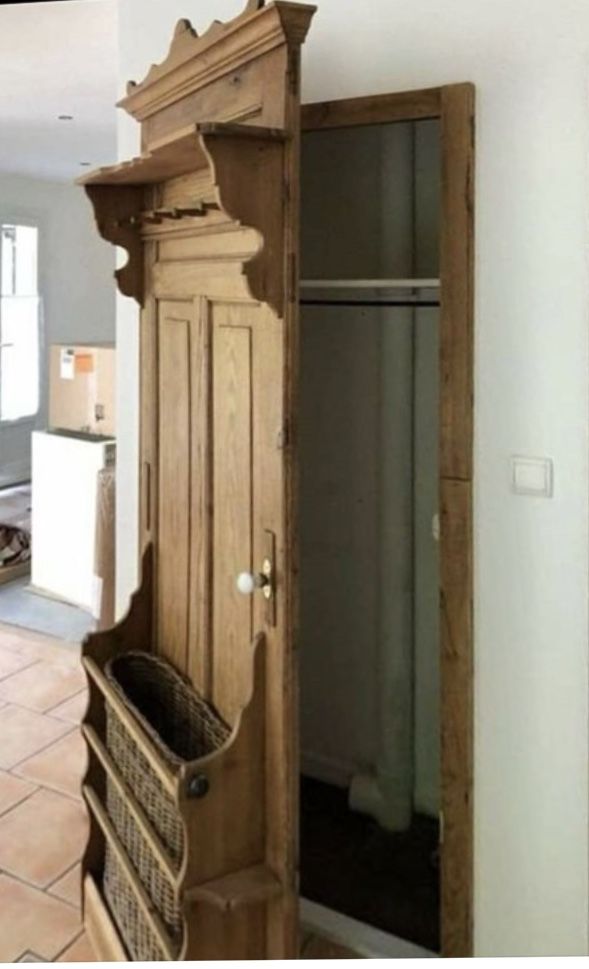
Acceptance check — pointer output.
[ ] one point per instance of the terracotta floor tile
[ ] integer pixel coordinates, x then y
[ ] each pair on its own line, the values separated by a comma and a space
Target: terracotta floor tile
24, 733
41, 838
42, 686
11, 662
13, 790
69, 887
79, 951
72, 710
60, 767
33, 922
37, 646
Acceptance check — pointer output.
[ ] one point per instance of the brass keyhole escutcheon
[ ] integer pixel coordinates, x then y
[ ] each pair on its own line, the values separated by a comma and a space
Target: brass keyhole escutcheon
267, 572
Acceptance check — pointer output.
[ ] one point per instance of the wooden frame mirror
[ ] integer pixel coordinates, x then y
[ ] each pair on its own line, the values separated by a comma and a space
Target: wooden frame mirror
453, 105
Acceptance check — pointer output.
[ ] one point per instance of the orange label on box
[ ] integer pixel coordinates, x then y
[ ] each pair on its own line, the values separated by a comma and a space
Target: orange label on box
84, 363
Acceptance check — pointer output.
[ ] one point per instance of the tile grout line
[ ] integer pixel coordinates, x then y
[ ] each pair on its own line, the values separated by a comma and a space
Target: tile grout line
9, 770
36, 888
40, 713
23, 799
51, 711
64, 875
6, 676
70, 943
43, 713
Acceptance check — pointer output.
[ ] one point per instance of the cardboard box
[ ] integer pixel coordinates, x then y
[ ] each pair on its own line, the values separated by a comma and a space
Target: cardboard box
82, 389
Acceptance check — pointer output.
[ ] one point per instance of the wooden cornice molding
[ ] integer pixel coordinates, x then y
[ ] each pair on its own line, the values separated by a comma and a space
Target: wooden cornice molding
194, 61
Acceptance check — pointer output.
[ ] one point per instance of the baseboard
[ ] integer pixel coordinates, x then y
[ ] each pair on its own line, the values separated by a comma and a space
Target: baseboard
327, 769
14, 473
366, 941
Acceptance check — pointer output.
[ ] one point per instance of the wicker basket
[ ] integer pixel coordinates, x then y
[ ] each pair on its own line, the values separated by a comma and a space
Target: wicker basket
141, 943
184, 728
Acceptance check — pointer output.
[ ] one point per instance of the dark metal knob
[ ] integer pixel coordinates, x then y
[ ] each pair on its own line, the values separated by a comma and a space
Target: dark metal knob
198, 786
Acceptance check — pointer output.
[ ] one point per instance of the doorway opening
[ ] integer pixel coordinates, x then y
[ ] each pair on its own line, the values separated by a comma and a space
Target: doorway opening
380, 375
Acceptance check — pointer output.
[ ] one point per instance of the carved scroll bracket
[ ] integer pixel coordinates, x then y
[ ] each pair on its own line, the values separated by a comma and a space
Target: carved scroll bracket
248, 175
116, 209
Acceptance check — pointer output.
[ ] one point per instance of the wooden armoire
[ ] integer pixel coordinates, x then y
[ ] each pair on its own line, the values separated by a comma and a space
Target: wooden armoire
208, 214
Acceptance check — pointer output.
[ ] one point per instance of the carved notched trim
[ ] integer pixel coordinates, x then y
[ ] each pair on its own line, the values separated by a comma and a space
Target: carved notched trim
187, 42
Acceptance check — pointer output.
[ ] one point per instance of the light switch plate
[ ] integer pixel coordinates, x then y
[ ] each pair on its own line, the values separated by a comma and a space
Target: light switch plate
532, 476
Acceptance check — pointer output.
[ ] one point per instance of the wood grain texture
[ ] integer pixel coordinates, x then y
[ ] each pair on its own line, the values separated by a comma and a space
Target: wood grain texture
194, 64
174, 481
233, 508
199, 668
375, 109
226, 833
456, 469
457, 718
457, 277
283, 840
246, 887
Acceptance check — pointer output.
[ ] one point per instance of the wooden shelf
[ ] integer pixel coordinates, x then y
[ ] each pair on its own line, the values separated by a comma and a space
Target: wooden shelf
177, 156
247, 887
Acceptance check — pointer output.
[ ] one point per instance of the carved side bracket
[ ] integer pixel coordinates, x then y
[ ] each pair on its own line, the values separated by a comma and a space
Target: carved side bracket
114, 209
247, 193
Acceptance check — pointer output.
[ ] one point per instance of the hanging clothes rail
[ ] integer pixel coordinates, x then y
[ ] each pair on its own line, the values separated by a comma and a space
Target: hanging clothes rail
370, 284
419, 303
412, 300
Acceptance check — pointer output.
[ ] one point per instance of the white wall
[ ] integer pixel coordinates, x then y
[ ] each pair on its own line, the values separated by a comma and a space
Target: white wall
75, 281
530, 63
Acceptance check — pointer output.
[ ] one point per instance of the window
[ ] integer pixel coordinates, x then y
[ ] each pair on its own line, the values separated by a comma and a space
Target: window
19, 322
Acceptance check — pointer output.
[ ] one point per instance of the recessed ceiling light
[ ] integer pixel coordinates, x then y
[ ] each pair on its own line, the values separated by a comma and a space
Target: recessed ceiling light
85, 164
65, 117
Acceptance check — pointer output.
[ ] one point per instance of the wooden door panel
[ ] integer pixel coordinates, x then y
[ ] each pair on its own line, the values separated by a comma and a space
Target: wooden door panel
233, 447
175, 323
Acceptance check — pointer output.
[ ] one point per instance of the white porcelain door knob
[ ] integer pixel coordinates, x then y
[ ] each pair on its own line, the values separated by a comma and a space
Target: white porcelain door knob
247, 583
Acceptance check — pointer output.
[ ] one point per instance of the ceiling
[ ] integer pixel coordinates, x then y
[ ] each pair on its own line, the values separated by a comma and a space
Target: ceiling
57, 58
